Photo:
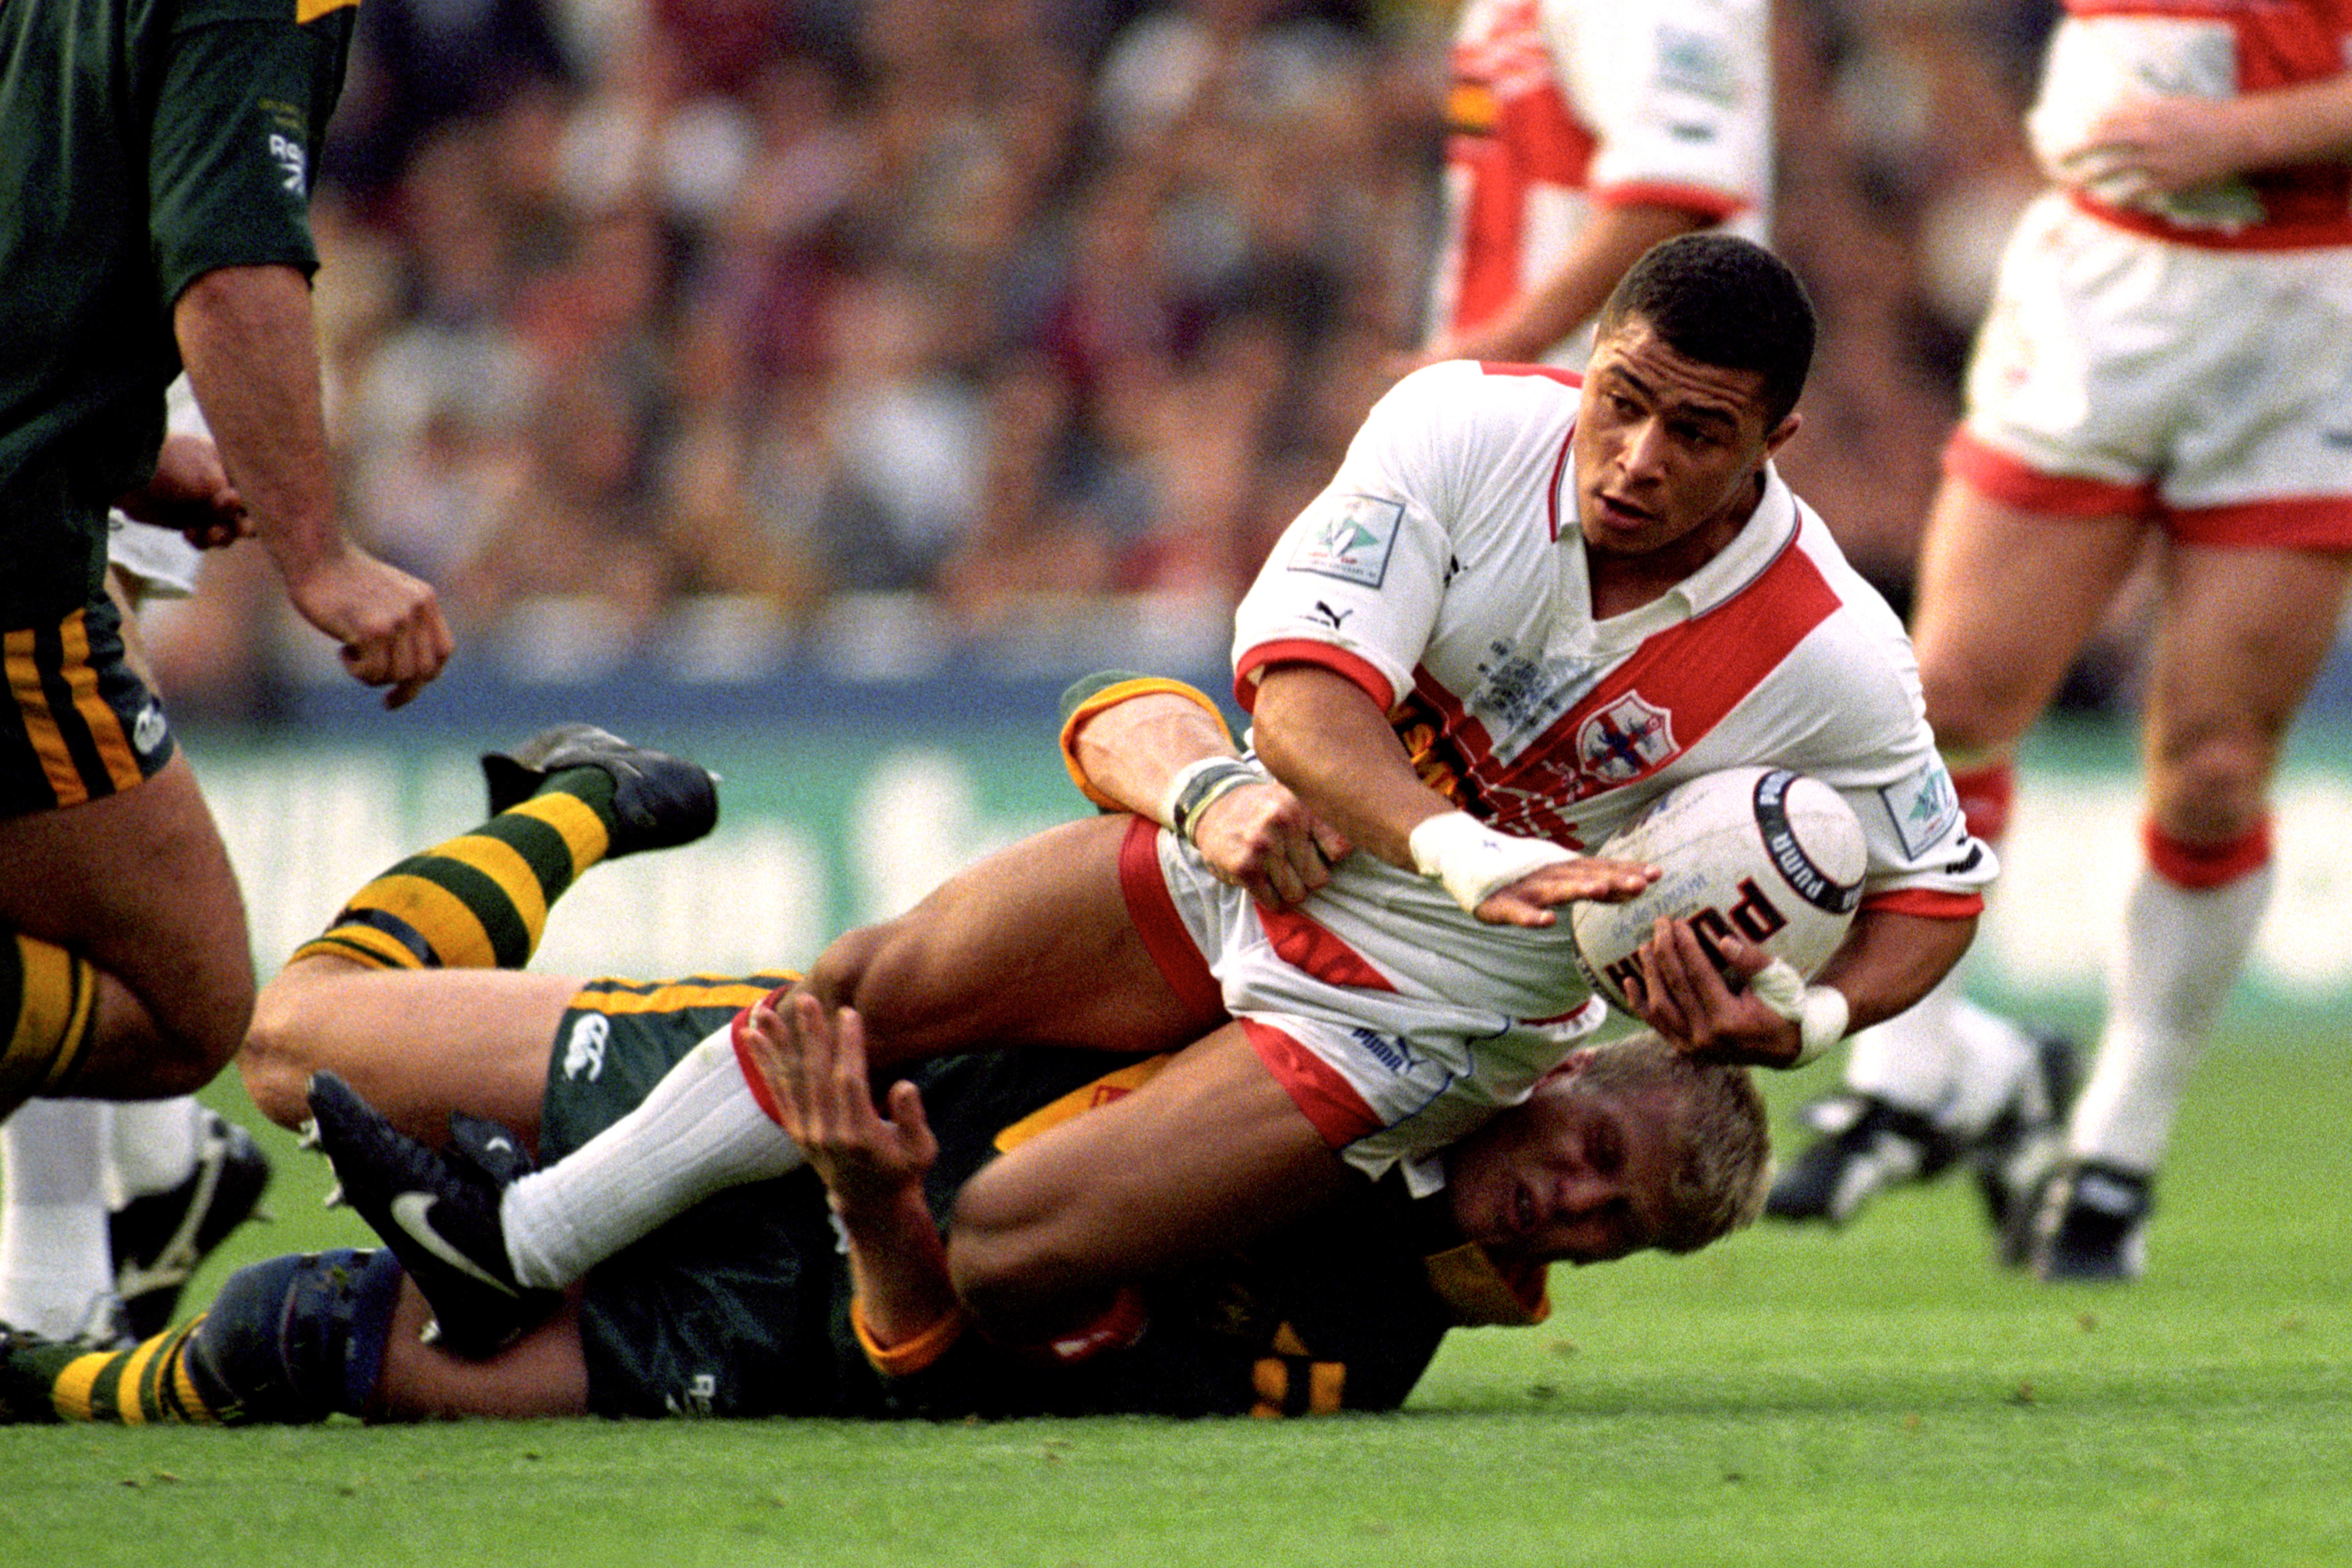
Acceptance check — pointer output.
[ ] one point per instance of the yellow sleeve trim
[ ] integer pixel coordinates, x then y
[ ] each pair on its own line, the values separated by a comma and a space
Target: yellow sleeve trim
1111, 1086
1111, 697
1479, 1294
908, 1356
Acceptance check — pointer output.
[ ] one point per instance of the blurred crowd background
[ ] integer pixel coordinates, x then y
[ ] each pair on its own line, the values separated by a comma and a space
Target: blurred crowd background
728, 330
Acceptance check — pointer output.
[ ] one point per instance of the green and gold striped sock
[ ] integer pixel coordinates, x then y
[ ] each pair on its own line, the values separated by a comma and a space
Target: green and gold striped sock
480, 900
151, 1383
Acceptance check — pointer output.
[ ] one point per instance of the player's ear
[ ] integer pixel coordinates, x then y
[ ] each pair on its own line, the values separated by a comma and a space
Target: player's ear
1777, 436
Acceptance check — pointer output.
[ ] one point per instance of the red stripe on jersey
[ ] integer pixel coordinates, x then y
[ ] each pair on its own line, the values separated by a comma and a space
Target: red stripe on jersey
1162, 929
1327, 1099
1535, 140
1650, 709
1307, 946
1514, 367
1251, 667
1927, 903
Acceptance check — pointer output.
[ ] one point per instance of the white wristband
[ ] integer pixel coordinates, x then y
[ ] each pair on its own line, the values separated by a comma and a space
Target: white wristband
1819, 1011
1475, 861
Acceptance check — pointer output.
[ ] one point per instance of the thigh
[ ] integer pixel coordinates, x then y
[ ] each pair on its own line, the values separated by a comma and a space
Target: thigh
140, 883
1209, 1153
2006, 599
2244, 635
1033, 945
417, 1044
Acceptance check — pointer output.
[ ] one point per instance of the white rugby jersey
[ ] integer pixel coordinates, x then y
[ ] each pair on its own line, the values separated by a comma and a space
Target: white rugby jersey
1443, 572
2104, 53
1558, 105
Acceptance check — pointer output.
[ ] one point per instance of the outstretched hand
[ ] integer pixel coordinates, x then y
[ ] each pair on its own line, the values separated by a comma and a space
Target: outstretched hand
1533, 900
814, 1066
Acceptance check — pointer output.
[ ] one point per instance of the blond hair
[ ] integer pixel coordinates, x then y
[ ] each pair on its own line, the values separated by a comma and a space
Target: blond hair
1721, 1147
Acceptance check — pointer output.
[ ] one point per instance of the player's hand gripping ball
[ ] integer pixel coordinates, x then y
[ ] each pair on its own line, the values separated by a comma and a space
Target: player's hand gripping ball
1769, 855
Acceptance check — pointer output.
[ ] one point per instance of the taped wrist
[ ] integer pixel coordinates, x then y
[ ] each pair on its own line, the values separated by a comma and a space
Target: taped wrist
1819, 1011
1473, 861
1197, 786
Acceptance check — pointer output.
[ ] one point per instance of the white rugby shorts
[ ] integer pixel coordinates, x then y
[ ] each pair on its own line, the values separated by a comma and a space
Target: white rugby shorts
1388, 1073
2206, 388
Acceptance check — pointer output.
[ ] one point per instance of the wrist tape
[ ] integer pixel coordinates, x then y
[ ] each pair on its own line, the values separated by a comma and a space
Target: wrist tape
1473, 861
1197, 786
1819, 1011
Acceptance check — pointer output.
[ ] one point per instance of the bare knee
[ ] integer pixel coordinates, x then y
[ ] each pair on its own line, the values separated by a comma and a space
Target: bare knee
887, 974
2211, 788
278, 1054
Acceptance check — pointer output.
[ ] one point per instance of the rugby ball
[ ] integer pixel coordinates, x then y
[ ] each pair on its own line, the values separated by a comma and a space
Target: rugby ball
1773, 856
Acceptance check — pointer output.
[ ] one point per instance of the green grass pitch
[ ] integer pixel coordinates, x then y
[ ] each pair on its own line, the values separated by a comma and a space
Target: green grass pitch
1882, 1396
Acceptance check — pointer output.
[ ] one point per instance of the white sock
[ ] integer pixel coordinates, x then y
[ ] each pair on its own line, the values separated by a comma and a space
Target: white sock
55, 1258
1945, 1059
2180, 953
698, 1132
154, 1147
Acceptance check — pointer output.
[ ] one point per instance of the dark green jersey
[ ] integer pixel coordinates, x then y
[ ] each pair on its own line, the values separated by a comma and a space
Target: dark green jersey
149, 142
741, 1306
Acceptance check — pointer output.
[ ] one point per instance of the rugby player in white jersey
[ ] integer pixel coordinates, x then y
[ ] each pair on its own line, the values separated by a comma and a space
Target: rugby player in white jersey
1521, 611
2163, 377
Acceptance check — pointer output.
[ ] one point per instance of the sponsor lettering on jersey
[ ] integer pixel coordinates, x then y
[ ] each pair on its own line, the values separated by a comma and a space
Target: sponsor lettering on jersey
290, 157
1352, 541
1697, 63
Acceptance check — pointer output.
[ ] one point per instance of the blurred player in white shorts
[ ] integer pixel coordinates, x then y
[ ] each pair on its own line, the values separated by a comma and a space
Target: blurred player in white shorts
2166, 371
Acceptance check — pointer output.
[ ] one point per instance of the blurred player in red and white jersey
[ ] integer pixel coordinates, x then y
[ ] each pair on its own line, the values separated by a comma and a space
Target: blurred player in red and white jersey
2163, 374
1582, 133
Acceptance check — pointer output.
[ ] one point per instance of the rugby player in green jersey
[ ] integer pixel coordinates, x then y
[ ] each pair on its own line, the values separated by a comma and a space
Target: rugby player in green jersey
153, 213
746, 1305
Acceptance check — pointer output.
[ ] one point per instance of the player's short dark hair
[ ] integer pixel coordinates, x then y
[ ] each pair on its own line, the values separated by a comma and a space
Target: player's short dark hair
1725, 301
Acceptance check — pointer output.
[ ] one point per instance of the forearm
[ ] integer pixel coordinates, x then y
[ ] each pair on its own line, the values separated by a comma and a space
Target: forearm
898, 1271
1888, 961
247, 338
1563, 299
2308, 123
1319, 733
1130, 752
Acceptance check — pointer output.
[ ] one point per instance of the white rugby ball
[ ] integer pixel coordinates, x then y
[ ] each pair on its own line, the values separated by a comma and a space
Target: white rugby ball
1773, 856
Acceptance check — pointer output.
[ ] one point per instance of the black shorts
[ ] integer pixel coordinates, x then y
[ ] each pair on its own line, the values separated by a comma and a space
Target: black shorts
737, 1308
79, 723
